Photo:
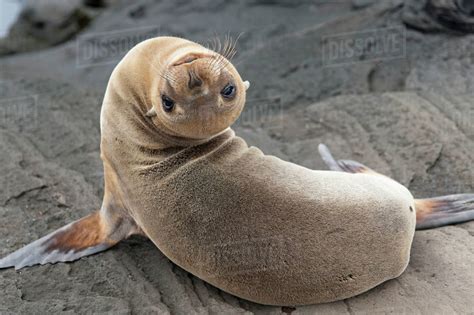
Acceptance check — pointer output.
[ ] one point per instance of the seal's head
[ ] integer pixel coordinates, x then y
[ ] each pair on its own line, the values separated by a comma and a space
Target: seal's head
199, 93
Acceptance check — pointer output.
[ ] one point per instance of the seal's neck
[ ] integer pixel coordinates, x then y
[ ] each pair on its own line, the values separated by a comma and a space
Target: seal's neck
168, 141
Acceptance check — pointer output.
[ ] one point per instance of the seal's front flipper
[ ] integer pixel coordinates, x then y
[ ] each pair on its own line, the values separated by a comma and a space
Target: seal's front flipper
89, 235
347, 166
439, 211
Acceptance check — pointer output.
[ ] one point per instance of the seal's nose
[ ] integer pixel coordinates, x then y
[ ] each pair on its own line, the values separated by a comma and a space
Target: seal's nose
194, 79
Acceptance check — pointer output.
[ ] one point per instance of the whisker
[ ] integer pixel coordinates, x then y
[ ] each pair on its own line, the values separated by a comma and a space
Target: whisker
229, 47
235, 44
223, 51
228, 53
213, 49
218, 50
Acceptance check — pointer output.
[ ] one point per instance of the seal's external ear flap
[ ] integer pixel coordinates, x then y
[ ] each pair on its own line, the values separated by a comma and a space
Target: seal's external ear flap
246, 85
151, 112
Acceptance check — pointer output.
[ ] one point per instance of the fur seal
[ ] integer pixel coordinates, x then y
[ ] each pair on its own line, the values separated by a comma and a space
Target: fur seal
253, 225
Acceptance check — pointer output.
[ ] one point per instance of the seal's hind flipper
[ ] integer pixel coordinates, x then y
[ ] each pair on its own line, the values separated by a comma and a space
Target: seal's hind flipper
347, 166
445, 210
87, 236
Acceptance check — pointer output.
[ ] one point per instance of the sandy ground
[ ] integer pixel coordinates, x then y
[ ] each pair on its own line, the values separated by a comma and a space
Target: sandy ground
406, 112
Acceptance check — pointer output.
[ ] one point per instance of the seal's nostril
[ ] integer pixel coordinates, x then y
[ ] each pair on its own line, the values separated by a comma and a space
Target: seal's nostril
194, 79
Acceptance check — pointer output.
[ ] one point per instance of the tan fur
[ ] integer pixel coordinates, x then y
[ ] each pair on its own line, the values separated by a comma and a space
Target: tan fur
253, 225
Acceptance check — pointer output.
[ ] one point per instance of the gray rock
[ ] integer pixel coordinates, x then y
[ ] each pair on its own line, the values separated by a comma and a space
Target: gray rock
359, 4
439, 15
46, 23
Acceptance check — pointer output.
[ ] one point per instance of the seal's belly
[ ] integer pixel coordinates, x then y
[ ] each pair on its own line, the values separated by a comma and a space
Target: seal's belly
277, 233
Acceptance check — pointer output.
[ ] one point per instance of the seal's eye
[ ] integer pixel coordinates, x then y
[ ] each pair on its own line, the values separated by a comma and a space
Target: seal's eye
168, 103
228, 91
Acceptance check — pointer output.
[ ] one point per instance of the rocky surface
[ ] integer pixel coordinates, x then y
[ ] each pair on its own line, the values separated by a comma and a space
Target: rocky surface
456, 16
406, 111
46, 23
